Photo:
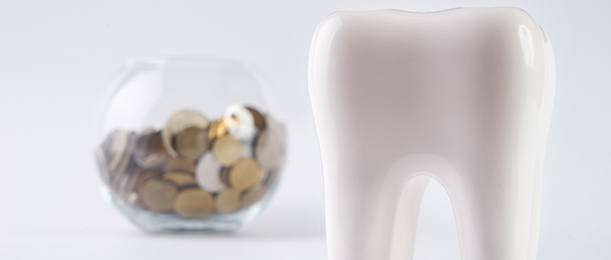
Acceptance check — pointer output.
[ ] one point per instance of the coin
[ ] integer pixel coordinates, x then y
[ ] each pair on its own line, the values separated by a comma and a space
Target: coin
181, 179
170, 171
127, 190
253, 195
208, 174
120, 149
194, 202
245, 174
104, 146
105, 153
120, 182
217, 130
224, 173
227, 150
178, 164
248, 149
158, 195
258, 117
270, 149
240, 122
228, 201
142, 177
149, 152
102, 164
179, 121
191, 142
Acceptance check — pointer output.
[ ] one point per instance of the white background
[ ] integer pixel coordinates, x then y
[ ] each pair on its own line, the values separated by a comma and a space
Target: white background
56, 58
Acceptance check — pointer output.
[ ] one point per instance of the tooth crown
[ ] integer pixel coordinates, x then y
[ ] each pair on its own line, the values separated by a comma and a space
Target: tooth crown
462, 96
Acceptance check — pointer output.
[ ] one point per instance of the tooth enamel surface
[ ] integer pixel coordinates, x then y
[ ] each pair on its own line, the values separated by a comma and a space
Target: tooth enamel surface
462, 96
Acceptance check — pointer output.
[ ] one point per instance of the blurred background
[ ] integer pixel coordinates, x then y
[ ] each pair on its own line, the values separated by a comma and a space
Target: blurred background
58, 57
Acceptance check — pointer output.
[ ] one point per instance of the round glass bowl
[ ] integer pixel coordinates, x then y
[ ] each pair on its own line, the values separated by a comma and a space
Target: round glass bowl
188, 144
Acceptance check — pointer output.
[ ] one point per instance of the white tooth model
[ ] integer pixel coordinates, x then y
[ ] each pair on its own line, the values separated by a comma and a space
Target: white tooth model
462, 97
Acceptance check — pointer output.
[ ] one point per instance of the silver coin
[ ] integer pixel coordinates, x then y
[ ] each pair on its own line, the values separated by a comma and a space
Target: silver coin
149, 151
270, 147
248, 148
120, 150
240, 122
102, 164
208, 174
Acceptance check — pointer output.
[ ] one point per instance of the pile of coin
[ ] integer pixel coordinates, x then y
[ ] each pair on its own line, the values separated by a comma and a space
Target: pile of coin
194, 167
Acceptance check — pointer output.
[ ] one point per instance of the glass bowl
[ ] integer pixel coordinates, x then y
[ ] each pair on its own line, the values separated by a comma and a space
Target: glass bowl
189, 144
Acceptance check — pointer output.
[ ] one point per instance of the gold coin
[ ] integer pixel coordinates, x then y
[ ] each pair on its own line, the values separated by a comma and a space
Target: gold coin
158, 195
178, 122
228, 201
227, 150
180, 178
191, 203
253, 195
217, 129
142, 177
245, 174
191, 142
133, 182
177, 164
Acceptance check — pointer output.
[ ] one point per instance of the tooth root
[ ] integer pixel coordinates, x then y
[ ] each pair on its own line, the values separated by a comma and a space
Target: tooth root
497, 214
362, 213
359, 220
406, 219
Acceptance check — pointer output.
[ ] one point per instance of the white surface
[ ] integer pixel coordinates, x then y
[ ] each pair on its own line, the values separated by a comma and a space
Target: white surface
56, 58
